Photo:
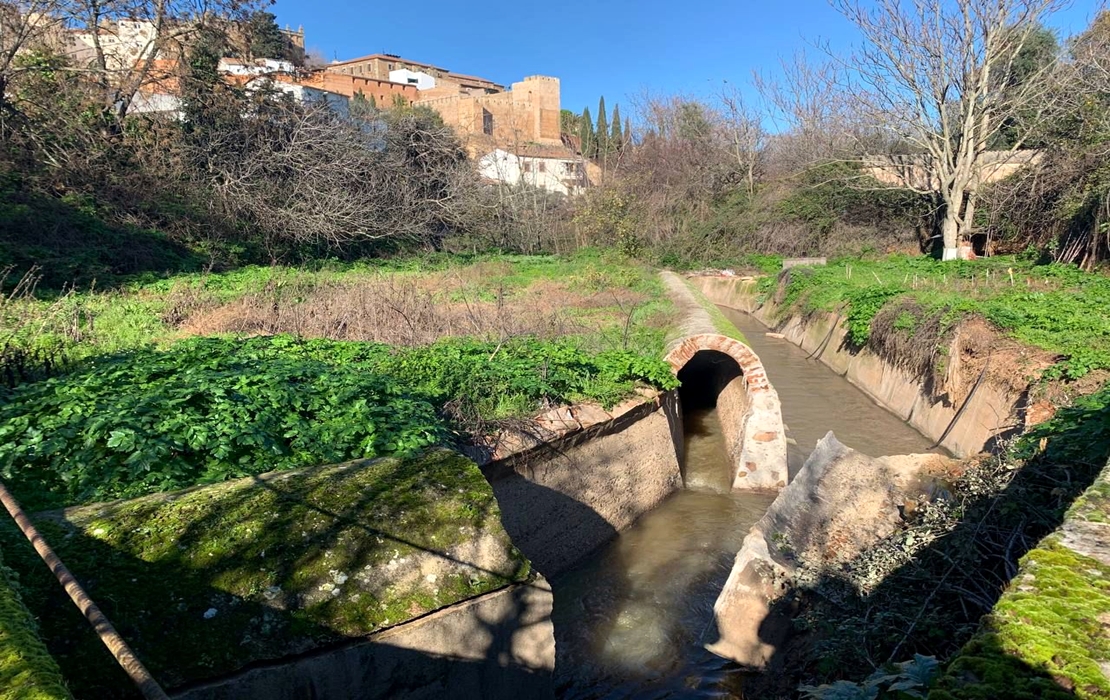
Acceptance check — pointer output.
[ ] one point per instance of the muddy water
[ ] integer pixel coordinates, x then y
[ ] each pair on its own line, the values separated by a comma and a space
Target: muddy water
816, 400
631, 620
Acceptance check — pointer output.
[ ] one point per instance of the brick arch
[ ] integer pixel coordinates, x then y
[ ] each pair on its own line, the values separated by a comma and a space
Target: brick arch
754, 432
750, 364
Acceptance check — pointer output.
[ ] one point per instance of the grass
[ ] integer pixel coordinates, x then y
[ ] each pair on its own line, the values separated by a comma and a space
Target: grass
1056, 308
27, 671
602, 299
258, 569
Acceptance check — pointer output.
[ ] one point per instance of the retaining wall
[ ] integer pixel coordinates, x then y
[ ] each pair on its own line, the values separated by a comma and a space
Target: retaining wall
992, 411
499, 645
563, 498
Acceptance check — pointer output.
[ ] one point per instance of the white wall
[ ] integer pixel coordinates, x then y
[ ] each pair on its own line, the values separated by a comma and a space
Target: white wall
547, 173
269, 65
156, 103
404, 75
340, 104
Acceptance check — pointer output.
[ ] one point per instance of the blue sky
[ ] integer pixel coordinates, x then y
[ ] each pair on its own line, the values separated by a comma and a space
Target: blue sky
615, 49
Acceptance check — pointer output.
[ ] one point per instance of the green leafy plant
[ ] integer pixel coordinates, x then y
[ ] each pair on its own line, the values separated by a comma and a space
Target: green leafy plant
210, 409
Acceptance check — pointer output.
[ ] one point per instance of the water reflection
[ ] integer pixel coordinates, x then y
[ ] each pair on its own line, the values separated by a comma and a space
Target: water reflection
632, 619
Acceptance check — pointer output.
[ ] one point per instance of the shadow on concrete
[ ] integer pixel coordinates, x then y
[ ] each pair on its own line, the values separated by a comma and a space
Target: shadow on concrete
158, 602
932, 605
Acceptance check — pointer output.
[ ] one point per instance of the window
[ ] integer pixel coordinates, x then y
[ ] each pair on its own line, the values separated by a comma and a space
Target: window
487, 123
413, 81
543, 167
527, 166
570, 168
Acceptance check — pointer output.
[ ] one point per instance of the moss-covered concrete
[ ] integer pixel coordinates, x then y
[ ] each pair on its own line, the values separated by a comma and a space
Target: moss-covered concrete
1049, 634
687, 312
207, 580
27, 671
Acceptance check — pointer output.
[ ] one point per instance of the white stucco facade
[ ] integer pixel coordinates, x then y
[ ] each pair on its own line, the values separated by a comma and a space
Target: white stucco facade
564, 175
306, 94
264, 66
421, 80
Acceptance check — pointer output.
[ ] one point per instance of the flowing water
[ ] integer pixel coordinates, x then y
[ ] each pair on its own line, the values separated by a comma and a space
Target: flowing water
630, 621
816, 400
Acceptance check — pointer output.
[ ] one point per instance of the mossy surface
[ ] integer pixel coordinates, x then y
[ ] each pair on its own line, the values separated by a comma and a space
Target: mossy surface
1049, 634
204, 581
721, 324
27, 671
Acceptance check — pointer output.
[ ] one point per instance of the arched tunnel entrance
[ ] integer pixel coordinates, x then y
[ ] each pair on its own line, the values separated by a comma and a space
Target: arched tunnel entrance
708, 379
723, 374
704, 377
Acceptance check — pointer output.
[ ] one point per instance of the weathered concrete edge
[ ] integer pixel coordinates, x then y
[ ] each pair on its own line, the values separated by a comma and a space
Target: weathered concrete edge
760, 461
452, 635
563, 498
991, 412
562, 428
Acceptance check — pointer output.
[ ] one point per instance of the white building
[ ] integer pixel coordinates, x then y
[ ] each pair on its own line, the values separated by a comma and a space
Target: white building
304, 94
422, 80
124, 43
157, 103
262, 66
551, 168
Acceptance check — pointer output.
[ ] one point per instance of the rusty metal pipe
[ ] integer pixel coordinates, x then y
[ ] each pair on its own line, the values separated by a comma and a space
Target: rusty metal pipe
104, 629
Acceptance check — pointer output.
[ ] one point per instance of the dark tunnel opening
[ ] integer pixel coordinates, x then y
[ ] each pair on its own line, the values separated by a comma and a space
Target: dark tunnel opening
703, 379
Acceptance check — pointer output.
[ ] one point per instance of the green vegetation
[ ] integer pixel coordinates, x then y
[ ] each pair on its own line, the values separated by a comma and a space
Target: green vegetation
1046, 636
622, 305
206, 410
1057, 308
925, 588
217, 577
27, 671
720, 322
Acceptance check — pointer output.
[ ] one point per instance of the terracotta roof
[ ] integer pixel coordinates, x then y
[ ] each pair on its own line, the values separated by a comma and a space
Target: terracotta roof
473, 78
385, 57
535, 150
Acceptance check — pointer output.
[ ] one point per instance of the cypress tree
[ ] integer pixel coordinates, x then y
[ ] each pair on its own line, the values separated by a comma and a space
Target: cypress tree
616, 137
627, 132
586, 134
602, 131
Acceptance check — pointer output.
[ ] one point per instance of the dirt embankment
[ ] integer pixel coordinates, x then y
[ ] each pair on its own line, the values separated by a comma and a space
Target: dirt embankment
964, 384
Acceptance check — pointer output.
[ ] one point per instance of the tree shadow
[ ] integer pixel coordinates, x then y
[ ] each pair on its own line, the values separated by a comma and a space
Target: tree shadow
69, 245
194, 611
932, 605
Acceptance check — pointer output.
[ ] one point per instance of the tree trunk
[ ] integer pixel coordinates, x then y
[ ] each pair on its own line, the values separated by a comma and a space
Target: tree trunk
950, 234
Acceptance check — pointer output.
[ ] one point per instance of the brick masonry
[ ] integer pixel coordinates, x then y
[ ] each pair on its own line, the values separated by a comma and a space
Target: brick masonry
758, 444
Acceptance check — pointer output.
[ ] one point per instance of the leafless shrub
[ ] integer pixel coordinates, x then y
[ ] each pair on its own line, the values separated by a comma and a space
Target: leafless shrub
403, 311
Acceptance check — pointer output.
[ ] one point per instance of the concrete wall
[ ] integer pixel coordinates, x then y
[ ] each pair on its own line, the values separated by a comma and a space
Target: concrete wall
752, 423
500, 645
991, 412
565, 498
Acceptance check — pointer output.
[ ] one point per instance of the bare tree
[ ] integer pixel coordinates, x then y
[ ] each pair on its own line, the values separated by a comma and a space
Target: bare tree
305, 174
24, 25
938, 75
125, 45
814, 118
744, 130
